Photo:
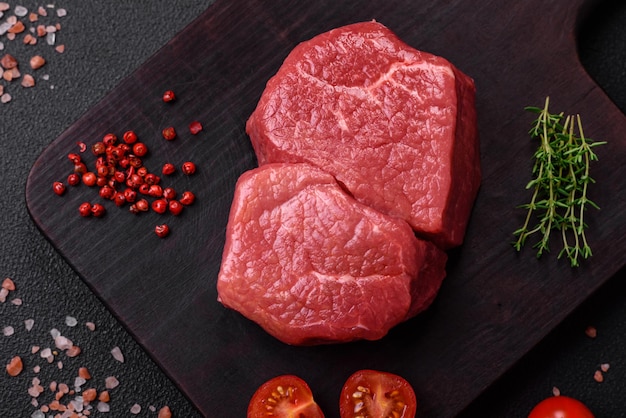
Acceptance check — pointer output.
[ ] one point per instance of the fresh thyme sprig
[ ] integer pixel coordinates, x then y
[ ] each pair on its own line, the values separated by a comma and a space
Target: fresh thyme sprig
560, 184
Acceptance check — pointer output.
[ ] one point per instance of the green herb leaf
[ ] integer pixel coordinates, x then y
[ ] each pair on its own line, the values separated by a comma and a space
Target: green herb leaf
560, 185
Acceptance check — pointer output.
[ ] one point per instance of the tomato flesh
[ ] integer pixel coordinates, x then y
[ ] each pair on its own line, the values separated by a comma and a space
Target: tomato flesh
560, 407
285, 396
376, 394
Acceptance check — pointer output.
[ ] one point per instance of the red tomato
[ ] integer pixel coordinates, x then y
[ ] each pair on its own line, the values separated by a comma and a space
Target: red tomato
377, 394
285, 396
560, 407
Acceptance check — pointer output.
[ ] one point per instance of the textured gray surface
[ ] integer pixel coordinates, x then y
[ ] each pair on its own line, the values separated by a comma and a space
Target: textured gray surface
105, 41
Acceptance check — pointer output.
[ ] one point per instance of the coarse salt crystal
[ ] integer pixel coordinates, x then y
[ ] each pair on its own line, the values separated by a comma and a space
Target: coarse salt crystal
61, 12
63, 343
17, 302
8, 331
20, 11
598, 376
55, 332
591, 332
73, 351
135, 409
5, 98
37, 414
47, 354
117, 354
77, 403
34, 349
4, 6
4, 27
9, 284
36, 369
3, 291
78, 382
28, 324
605, 367
103, 407
90, 326
70, 321
60, 365
33, 391
111, 382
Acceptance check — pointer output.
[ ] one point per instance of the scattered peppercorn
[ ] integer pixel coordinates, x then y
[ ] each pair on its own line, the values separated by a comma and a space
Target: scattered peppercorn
89, 179
98, 210
188, 168
140, 149
168, 169
85, 209
73, 179
58, 188
169, 133
169, 193
195, 127
187, 198
162, 230
169, 96
175, 207
130, 137
159, 205
120, 175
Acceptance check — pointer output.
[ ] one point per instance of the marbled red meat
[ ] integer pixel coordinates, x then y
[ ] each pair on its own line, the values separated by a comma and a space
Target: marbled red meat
311, 265
395, 125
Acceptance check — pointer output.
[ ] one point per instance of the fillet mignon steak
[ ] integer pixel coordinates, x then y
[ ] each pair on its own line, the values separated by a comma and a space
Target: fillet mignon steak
312, 265
395, 125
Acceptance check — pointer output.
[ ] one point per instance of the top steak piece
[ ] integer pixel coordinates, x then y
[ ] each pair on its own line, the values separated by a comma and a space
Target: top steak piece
396, 126
311, 265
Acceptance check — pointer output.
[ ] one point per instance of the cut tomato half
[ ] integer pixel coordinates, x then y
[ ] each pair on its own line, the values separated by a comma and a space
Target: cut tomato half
285, 396
371, 393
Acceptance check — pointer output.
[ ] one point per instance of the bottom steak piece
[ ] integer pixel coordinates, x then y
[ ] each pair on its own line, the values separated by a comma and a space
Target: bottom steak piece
311, 265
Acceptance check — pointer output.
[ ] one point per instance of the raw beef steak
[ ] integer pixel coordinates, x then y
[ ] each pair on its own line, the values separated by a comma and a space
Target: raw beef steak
311, 265
396, 126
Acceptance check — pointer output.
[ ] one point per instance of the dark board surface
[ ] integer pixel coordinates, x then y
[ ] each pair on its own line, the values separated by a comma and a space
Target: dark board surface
495, 304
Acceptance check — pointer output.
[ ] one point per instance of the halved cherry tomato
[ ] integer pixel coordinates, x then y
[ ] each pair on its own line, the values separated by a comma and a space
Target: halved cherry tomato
371, 393
560, 407
285, 396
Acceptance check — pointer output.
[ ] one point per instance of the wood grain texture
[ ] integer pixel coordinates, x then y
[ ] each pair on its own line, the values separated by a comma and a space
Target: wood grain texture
495, 304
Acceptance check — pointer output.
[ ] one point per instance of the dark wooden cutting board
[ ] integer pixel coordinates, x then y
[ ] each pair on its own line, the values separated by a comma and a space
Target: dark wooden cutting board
495, 304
